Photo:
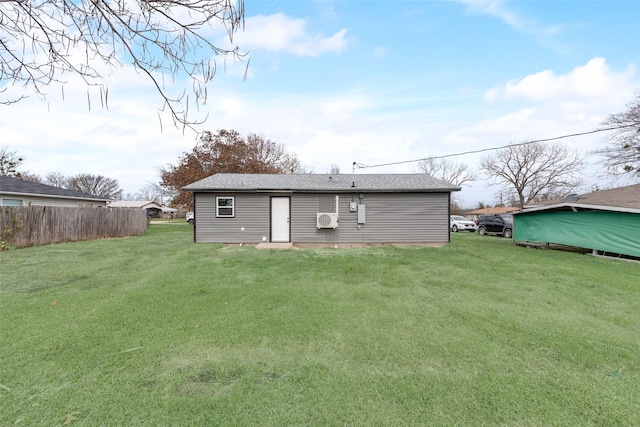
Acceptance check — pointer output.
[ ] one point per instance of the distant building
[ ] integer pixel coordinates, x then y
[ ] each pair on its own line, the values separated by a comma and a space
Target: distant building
473, 215
153, 209
18, 192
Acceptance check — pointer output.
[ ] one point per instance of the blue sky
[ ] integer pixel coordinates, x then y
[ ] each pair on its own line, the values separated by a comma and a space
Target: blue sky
366, 81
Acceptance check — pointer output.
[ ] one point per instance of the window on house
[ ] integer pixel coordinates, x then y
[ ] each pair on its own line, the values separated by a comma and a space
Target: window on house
225, 207
10, 202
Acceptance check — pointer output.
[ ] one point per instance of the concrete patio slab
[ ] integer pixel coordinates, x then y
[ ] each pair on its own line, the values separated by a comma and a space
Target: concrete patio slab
271, 245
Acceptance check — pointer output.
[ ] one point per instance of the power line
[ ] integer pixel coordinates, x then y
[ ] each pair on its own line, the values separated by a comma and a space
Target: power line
572, 135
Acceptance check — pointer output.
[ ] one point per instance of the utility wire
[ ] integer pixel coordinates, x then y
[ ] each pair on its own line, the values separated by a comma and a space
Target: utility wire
572, 135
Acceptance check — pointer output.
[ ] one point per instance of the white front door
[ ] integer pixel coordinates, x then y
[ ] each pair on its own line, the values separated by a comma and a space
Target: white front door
280, 219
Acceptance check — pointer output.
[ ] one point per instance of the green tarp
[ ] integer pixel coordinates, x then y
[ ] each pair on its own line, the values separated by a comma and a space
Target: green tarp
614, 232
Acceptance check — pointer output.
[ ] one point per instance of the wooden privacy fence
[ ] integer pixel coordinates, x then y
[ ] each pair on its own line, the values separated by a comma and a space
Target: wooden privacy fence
22, 226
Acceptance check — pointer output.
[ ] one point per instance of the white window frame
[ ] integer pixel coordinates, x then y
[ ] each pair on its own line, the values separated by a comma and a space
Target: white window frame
11, 198
232, 207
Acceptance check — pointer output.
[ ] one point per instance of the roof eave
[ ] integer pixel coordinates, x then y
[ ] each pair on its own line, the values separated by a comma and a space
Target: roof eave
579, 206
321, 190
53, 196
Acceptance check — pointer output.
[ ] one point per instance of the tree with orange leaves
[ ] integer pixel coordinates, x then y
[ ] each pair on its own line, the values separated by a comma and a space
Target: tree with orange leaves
226, 152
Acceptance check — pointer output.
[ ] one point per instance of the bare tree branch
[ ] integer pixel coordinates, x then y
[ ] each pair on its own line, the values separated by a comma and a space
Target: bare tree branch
455, 173
10, 161
621, 156
151, 192
57, 179
44, 41
97, 185
534, 172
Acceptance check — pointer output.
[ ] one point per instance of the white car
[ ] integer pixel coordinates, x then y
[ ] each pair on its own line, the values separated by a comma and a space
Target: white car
460, 223
190, 217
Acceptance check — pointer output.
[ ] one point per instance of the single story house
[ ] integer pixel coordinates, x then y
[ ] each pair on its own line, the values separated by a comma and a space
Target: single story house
153, 209
168, 212
322, 209
18, 192
606, 221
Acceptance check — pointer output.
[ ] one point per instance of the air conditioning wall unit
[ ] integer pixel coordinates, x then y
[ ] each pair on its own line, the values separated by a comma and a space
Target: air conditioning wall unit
327, 220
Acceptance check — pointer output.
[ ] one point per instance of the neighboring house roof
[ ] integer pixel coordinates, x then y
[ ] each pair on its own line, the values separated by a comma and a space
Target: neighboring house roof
19, 187
322, 183
491, 211
622, 199
135, 204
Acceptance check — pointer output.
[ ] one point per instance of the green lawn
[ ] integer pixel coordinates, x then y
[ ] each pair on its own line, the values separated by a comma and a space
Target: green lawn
156, 330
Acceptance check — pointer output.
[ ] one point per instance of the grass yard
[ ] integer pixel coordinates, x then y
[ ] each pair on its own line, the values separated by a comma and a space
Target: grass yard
158, 331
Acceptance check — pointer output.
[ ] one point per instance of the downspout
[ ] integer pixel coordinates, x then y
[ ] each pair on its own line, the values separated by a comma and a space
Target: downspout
449, 218
194, 217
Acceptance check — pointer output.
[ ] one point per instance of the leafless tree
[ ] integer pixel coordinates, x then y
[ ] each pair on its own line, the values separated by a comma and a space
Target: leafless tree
97, 185
334, 170
505, 197
56, 179
261, 152
45, 41
31, 177
535, 171
151, 192
621, 156
10, 161
455, 173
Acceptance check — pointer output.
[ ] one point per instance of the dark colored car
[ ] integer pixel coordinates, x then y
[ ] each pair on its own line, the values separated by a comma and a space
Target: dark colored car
501, 225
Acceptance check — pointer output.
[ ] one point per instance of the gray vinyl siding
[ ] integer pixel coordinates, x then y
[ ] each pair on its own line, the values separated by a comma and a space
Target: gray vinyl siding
251, 212
390, 217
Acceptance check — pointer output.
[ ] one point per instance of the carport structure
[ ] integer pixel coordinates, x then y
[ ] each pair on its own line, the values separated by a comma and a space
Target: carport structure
606, 221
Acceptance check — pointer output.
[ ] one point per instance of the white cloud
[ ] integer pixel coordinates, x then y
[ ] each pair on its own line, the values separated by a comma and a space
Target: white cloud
497, 9
500, 10
546, 104
592, 81
366, 124
369, 126
279, 32
380, 52
124, 141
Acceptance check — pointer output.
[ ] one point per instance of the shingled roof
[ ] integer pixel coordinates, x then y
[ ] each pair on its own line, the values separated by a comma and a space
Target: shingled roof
20, 187
321, 183
135, 204
622, 199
